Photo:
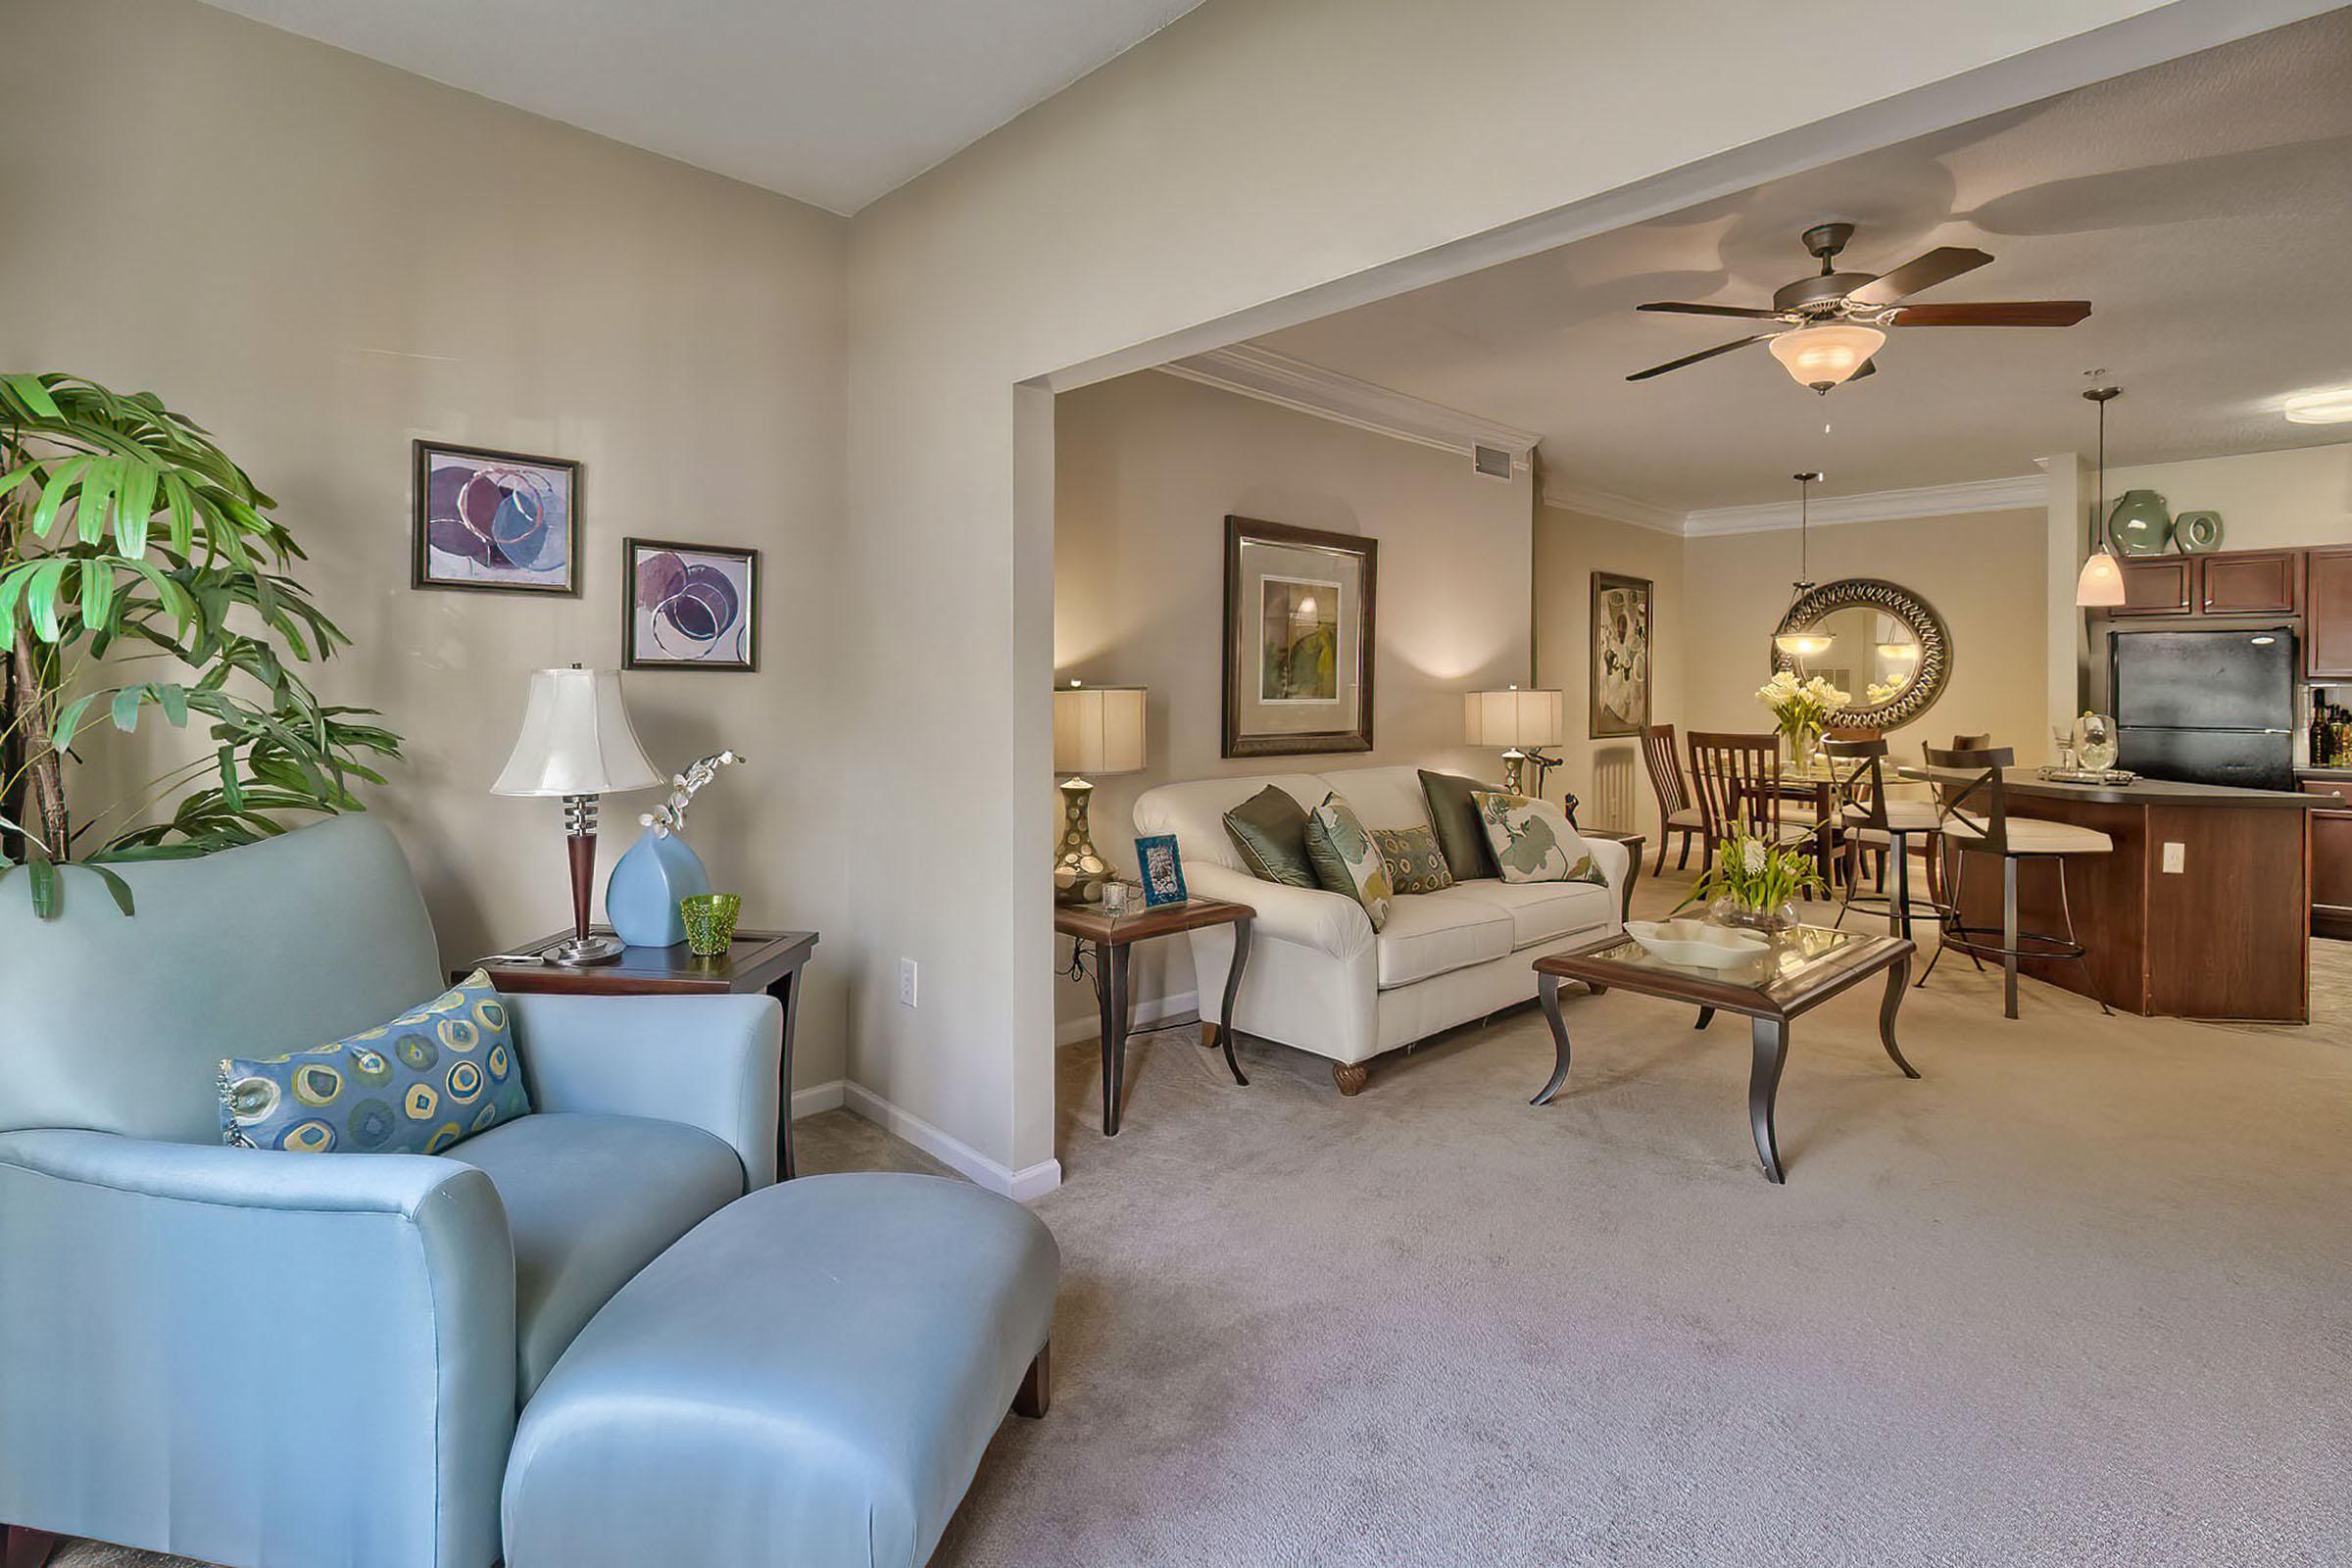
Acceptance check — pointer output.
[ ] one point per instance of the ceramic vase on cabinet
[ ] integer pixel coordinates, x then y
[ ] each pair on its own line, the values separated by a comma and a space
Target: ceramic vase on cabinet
642, 897
2141, 523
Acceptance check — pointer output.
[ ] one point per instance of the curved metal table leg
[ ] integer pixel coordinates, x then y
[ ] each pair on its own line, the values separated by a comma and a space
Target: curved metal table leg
1763, 1087
1706, 1016
1114, 1043
1895, 980
1548, 992
1233, 989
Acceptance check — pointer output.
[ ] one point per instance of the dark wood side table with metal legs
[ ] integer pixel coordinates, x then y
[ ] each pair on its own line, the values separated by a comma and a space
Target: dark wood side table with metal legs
1110, 937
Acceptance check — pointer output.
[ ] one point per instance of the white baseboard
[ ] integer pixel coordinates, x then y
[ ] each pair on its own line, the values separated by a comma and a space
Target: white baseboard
1145, 1013
816, 1097
1023, 1185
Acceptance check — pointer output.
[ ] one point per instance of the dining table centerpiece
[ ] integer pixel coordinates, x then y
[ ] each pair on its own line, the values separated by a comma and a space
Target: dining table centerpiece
1755, 881
1801, 709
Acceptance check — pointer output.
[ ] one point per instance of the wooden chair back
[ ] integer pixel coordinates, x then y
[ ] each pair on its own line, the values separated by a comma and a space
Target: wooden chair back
1857, 787
1970, 743
1851, 732
1972, 774
1736, 776
1665, 772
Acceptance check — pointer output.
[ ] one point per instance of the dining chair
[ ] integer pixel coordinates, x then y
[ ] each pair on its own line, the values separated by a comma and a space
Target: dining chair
1970, 743
1677, 812
1737, 776
1984, 829
1873, 821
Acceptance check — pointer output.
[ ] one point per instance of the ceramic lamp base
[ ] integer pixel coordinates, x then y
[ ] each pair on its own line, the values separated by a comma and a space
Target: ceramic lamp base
1079, 869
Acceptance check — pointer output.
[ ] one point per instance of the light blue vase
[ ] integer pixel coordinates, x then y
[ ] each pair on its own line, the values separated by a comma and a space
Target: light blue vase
642, 897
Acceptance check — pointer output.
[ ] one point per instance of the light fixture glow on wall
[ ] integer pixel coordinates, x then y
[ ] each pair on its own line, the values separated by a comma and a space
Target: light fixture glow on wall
2101, 585
2320, 408
1823, 356
1804, 643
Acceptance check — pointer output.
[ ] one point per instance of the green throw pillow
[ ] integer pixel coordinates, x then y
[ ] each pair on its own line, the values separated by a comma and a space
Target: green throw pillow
1532, 840
1347, 860
432, 1077
1414, 863
1269, 828
1453, 815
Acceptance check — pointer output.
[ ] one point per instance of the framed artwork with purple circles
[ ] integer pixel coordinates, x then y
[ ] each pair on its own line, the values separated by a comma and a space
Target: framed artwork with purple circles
496, 522
689, 607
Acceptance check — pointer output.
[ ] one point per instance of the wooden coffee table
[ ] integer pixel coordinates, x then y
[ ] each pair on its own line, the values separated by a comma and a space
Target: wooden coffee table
1802, 969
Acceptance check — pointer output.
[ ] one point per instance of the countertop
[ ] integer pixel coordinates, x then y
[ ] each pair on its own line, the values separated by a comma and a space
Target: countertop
2023, 783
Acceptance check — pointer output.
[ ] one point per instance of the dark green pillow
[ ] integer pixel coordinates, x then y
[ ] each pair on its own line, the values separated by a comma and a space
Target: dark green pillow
1270, 830
1461, 835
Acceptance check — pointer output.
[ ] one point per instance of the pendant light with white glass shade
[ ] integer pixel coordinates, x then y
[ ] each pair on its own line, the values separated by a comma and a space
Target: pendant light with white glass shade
2101, 585
1798, 643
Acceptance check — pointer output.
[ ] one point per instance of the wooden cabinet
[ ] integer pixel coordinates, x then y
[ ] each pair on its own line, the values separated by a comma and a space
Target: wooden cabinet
2158, 585
2250, 582
2328, 614
2331, 861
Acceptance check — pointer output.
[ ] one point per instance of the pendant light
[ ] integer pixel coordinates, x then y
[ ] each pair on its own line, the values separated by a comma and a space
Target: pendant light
1805, 644
2101, 585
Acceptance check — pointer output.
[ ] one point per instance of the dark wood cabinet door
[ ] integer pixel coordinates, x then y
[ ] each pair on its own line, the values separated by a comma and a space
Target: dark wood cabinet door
2251, 582
2327, 613
2158, 585
2331, 873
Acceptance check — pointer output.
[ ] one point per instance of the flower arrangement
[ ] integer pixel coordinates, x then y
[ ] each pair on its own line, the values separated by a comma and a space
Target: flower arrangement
1885, 691
670, 815
1805, 706
1755, 881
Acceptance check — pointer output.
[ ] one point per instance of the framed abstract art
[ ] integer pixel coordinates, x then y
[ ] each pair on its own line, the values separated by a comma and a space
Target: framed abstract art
495, 521
1298, 640
1620, 665
689, 607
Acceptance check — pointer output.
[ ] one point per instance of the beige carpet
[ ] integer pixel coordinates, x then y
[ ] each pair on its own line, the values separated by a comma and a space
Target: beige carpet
2083, 1294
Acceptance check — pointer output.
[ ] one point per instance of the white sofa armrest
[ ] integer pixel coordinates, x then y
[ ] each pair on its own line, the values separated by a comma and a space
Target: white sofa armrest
1616, 861
1326, 923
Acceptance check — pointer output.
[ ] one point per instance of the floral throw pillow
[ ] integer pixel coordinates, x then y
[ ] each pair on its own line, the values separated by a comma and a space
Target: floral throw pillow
1346, 858
1415, 863
433, 1076
1533, 841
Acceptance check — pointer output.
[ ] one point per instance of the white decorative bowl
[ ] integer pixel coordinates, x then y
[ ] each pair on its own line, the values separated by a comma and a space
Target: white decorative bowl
1698, 943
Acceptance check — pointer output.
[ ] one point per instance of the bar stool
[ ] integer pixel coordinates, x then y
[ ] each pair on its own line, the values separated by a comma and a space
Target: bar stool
1996, 832
1871, 821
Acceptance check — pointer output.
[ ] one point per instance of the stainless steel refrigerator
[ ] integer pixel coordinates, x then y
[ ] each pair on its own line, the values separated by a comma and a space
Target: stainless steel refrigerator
2207, 706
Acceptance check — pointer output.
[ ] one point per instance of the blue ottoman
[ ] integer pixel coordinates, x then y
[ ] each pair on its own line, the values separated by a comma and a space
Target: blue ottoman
807, 1377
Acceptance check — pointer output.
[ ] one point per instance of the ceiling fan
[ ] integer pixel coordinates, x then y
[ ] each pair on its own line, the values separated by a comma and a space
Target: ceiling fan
1833, 321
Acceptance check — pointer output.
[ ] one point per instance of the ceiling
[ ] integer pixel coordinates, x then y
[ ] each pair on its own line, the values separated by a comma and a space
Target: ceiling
2201, 206
833, 102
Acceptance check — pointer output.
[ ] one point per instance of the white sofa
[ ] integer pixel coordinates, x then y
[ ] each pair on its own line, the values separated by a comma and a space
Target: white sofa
1318, 977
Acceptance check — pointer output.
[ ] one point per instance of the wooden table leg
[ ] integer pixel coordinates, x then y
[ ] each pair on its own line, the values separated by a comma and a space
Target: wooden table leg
1548, 992
1896, 978
26, 1548
2009, 935
1113, 960
1771, 1037
787, 992
1233, 989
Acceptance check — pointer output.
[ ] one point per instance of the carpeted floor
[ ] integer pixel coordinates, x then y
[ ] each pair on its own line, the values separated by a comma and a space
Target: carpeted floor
2083, 1294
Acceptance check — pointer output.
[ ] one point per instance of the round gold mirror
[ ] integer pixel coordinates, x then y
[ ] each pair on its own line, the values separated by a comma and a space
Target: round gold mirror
1882, 643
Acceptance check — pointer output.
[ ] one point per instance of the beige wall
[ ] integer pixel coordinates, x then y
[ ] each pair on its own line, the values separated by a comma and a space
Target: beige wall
1147, 468
322, 259
1983, 572
1571, 546
2266, 498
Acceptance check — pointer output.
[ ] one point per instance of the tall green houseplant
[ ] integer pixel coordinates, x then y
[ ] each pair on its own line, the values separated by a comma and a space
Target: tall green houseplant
141, 572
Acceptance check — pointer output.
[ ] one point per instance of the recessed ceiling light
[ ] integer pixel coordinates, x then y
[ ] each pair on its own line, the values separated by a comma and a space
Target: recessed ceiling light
2320, 408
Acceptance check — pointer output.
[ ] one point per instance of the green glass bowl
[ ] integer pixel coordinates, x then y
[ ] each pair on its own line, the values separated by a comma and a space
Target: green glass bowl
710, 922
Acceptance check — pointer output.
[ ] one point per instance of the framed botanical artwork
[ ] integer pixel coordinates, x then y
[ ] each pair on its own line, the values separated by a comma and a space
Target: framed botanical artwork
1298, 640
501, 522
1620, 665
688, 607
1162, 868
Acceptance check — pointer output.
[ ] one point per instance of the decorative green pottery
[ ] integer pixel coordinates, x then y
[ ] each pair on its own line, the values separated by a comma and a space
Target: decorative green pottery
2140, 524
710, 922
2197, 533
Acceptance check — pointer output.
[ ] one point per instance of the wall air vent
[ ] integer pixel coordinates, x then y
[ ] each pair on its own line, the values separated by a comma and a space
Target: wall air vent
1493, 461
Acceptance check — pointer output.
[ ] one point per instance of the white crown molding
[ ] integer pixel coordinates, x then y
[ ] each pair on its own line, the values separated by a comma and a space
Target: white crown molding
1608, 504
1271, 377
2025, 492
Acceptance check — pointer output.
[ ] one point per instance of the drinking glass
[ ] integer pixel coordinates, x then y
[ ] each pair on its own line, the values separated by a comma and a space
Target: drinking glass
2094, 741
2064, 736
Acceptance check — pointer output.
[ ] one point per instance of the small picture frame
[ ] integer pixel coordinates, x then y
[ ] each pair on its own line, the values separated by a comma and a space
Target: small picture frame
689, 607
1164, 870
491, 522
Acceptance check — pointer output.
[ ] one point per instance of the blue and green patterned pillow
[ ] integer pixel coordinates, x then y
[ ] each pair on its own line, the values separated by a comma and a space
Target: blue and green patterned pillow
433, 1076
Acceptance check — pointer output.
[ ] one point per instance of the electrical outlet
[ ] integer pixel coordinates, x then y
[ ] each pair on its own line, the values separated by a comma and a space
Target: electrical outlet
906, 982
2176, 859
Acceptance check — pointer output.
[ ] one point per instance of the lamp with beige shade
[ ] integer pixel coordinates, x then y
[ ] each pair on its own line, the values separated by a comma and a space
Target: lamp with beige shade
1523, 722
1098, 730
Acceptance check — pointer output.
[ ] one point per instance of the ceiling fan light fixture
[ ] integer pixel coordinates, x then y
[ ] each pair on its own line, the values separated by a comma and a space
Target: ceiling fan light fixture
1823, 357
2320, 408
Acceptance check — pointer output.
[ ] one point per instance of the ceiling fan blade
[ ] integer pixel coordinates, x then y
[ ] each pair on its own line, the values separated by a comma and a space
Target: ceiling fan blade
1938, 266
2007, 313
1740, 311
1702, 354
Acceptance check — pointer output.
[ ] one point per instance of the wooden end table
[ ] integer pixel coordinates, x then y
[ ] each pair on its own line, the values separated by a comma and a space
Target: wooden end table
1802, 969
1111, 937
759, 960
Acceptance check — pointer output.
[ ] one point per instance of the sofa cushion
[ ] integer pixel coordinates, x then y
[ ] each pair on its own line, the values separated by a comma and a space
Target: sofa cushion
1194, 811
1414, 861
1269, 828
1533, 841
1545, 912
590, 1200
1347, 860
1453, 818
1433, 933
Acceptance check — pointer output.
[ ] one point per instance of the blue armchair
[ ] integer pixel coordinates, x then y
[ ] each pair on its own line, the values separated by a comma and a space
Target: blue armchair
260, 1358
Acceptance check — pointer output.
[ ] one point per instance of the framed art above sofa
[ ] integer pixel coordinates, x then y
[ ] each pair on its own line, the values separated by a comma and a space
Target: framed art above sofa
1298, 640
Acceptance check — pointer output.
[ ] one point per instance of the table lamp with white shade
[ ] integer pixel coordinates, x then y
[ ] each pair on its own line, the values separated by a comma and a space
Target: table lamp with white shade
578, 743
1522, 722
1098, 730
